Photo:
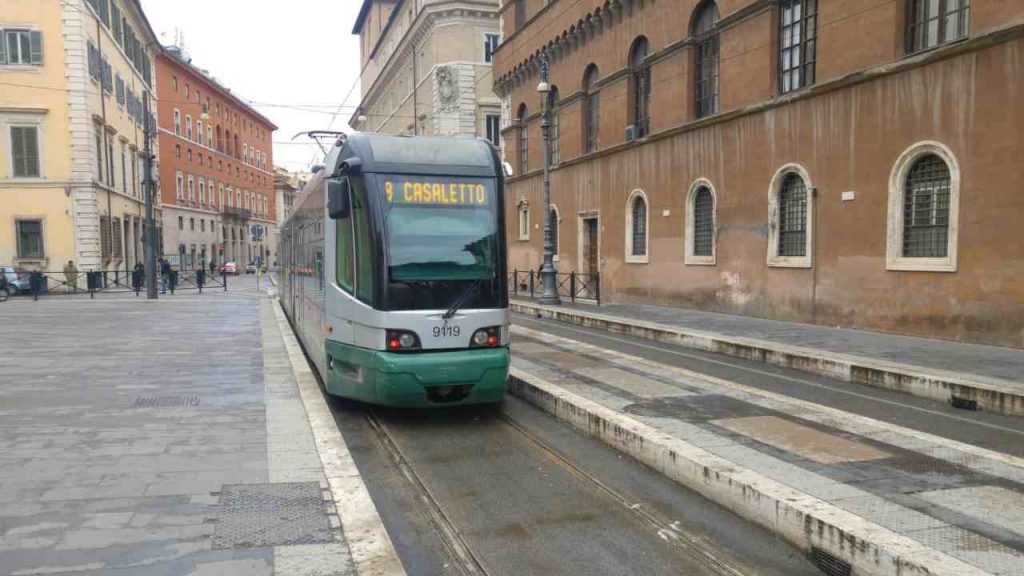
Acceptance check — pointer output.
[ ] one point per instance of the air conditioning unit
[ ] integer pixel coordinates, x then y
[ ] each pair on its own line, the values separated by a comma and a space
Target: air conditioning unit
632, 132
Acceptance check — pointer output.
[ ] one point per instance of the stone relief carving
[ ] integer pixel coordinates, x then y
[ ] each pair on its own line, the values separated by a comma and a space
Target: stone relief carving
447, 88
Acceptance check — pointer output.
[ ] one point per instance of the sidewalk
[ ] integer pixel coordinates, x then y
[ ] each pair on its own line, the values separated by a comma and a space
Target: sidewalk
851, 491
172, 437
991, 376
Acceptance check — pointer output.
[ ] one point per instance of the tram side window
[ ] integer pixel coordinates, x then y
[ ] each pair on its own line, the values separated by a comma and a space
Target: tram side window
364, 245
346, 271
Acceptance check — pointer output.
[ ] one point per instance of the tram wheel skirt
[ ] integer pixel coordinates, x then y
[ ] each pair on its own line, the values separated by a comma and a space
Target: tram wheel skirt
421, 379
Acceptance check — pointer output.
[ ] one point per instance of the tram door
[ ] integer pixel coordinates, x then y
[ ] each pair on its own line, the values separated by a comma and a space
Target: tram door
590, 253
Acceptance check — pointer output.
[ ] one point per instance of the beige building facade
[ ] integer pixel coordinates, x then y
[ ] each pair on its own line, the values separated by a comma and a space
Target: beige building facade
74, 76
426, 67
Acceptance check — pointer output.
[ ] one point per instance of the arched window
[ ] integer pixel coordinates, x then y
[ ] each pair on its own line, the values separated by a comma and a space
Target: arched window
591, 109
524, 141
703, 30
793, 217
554, 149
640, 87
700, 224
924, 200
636, 228
554, 230
790, 207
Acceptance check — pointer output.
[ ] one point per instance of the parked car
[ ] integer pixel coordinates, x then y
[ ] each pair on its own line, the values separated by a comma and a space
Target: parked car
229, 268
18, 280
250, 269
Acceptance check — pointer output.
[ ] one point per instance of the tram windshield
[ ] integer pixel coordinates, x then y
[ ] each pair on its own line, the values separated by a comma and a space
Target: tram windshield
440, 228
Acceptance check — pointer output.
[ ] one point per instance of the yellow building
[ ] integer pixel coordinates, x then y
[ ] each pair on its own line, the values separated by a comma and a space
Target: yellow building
73, 75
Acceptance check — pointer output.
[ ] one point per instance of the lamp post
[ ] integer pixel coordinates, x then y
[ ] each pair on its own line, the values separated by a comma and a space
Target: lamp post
548, 278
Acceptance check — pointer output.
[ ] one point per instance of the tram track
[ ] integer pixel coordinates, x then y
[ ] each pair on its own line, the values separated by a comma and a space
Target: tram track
695, 546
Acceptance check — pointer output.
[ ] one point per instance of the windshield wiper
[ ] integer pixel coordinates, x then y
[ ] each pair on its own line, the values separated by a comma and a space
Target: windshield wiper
465, 295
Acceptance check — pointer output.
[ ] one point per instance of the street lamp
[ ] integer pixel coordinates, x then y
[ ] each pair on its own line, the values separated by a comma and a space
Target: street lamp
548, 277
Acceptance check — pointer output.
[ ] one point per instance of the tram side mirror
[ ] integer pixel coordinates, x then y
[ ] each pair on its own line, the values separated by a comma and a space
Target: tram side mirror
337, 198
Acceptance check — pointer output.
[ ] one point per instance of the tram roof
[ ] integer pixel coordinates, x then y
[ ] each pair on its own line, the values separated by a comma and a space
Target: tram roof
450, 155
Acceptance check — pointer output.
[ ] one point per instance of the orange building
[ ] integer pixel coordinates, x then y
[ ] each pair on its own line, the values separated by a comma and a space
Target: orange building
216, 169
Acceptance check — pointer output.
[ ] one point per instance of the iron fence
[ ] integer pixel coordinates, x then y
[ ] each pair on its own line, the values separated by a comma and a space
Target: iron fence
571, 285
92, 282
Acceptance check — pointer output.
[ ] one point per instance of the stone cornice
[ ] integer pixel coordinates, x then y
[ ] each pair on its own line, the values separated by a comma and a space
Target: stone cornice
602, 18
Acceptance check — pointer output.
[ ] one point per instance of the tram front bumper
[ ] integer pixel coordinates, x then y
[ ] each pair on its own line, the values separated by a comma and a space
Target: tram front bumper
475, 376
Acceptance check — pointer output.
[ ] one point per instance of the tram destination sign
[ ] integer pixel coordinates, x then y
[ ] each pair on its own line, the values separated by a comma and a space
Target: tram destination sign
437, 191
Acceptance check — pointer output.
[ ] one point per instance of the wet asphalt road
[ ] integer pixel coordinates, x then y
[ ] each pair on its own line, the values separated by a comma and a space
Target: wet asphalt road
526, 495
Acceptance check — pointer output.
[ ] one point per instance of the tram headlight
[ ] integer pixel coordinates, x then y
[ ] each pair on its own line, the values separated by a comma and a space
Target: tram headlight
486, 337
401, 340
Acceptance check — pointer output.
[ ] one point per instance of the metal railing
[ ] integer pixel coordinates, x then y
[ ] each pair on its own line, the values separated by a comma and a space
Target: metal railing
570, 285
92, 282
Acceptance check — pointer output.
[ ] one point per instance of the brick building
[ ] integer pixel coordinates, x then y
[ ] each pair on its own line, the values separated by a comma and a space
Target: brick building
843, 163
216, 169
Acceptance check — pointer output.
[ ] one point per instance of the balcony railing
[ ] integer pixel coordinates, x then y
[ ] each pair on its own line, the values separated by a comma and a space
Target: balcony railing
236, 212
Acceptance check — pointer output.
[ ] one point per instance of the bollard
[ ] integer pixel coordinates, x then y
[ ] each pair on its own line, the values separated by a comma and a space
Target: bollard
173, 281
597, 282
572, 286
531, 283
200, 277
224, 279
515, 281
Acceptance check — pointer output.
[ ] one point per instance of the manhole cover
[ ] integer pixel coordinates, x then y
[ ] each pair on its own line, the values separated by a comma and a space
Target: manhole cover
165, 401
254, 515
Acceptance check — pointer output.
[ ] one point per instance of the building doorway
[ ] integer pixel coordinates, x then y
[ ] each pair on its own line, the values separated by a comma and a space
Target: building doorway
590, 253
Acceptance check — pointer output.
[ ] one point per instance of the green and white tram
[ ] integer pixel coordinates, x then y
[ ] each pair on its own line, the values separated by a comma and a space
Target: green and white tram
393, 271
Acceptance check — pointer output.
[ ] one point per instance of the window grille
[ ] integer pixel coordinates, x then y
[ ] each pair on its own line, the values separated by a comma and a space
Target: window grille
926, 209
703, 222
593, 111
934, 22
30, 239
554, 231
707, 71
641, 87
797, 44
554, 148
524, 142
793, 217
106, 244
639, 228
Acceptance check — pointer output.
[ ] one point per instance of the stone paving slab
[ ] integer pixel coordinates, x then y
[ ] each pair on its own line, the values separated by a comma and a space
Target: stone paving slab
123, 423
921, 487
989, 376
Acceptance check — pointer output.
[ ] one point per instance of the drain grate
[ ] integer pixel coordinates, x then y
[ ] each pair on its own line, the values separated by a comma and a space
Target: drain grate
279, 514
829, 564
963, 403
165, 401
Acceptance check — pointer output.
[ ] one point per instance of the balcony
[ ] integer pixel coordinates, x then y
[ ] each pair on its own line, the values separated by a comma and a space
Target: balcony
233, 212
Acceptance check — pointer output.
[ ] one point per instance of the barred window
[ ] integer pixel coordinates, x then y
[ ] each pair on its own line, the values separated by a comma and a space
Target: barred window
793, 217
926, 209
638, 227
706, 74
934, 22
640, 87
592, 109
797, 44
524, 143
703, 222
30, 238
554, 147
554, 230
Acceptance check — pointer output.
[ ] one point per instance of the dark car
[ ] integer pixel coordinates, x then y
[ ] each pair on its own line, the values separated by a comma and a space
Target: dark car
17, 279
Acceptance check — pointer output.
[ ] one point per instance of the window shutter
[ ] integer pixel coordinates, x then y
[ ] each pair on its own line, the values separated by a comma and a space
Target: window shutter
36, 41
3, 47
31, 151
18, 150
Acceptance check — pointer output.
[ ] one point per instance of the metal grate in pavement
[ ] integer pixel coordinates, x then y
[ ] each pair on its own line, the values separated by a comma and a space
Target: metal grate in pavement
829, 564
165, 401
278, 514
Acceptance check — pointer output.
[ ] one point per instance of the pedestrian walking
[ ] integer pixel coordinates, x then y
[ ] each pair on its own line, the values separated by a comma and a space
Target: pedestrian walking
165, 275
71, 276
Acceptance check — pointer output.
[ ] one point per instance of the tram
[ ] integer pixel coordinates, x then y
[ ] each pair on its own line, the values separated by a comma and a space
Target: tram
393, 271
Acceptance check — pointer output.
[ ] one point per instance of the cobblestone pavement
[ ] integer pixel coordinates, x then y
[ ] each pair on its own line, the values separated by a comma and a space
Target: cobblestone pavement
166, 437
987, 361
962, 500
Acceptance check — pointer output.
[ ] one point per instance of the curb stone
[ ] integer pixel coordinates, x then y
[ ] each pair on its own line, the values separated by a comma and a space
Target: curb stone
1000, 396
804, 521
